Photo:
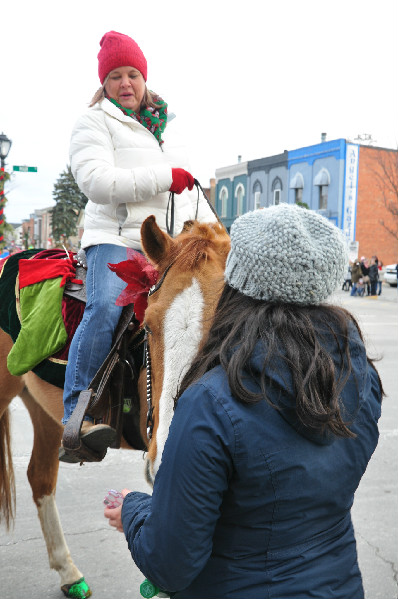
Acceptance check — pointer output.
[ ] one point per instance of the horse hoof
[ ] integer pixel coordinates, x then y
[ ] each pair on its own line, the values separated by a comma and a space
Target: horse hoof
77, 590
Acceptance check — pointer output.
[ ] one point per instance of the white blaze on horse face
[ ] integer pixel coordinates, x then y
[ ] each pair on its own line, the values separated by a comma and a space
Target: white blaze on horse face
183, 329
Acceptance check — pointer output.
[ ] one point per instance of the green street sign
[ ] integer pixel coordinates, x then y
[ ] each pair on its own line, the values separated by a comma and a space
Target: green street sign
25, 169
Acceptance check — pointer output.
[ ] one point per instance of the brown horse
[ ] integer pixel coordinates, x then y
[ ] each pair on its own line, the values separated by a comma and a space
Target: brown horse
178, 317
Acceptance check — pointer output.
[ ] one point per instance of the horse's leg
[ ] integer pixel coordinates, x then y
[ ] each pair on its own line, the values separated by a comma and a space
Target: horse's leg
42, 475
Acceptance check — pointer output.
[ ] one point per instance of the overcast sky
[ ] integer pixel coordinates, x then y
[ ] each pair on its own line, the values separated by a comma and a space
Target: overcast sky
250, 78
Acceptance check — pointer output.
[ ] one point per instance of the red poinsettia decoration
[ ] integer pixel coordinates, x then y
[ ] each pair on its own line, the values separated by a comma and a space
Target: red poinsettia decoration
140, 276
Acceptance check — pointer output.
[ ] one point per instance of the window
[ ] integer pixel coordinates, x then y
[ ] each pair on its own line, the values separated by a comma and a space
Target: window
223, 201
322, 181
277, 191
257, 191
239, 194
298, 196
297, 183
323, 197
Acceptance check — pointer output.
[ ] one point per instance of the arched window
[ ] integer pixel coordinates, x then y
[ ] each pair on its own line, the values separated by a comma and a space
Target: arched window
257, 192
239, 195
276, 191
223, 198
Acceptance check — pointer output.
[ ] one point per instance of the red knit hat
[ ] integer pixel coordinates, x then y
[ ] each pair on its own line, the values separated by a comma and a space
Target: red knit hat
119, 50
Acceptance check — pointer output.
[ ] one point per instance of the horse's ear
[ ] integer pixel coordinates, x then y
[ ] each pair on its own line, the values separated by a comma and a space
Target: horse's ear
155, 243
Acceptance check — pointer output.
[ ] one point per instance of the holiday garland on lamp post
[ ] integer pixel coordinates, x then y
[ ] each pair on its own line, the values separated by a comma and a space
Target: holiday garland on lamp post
2, 200
5, 145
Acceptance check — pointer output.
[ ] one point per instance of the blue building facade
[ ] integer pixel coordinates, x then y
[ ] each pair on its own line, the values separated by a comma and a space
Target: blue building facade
316, 178
231, 198
267, 181
323, 177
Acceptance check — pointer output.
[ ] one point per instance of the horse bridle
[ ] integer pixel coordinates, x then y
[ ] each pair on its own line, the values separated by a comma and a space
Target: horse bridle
149, 417
170, 231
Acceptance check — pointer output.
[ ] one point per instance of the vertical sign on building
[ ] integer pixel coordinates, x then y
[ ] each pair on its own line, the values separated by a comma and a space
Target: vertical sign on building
350, 192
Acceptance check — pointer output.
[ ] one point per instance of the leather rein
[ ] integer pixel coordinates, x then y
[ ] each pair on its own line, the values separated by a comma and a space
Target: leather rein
171, 206
149, 417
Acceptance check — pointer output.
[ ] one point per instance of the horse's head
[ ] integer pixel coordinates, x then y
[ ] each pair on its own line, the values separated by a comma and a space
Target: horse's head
179, 313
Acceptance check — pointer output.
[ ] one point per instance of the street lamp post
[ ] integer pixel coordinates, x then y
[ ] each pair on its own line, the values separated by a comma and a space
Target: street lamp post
5, 145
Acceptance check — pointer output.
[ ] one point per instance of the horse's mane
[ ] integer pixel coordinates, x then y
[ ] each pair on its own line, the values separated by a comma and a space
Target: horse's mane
197, 243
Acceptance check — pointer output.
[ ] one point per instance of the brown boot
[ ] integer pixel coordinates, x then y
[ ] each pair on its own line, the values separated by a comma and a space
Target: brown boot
96, 438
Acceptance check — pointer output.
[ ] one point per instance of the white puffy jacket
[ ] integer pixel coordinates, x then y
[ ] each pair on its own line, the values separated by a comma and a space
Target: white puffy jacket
119, 165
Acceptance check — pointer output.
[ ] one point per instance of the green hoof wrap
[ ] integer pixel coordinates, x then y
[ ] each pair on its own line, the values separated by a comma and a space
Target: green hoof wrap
76, 590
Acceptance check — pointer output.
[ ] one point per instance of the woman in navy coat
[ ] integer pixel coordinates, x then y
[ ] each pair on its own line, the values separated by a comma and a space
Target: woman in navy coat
274, 426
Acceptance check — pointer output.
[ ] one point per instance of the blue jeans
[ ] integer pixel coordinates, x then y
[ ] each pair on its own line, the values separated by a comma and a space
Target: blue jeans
93, 338
354, 289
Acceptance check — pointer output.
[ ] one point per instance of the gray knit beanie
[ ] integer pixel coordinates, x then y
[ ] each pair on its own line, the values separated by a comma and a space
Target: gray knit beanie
286, 254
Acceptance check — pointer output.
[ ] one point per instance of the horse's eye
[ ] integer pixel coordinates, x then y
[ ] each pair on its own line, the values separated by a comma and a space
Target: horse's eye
147, 329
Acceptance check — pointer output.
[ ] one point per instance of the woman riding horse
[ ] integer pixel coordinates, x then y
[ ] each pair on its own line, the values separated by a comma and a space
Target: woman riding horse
125, 160
275, 423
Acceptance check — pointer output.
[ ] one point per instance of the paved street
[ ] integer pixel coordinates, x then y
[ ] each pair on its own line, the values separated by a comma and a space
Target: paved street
101, 553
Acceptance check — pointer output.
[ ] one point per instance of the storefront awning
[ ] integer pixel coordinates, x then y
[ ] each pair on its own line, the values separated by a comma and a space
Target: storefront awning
297, 182
322, 178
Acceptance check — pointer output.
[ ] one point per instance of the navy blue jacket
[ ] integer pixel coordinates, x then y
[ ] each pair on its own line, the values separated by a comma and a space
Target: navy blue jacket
246, 504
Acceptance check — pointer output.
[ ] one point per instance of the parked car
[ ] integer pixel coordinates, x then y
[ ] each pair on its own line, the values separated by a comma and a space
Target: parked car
390, 275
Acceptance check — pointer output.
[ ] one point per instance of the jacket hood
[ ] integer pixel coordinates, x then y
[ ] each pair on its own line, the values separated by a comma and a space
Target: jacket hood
280, 383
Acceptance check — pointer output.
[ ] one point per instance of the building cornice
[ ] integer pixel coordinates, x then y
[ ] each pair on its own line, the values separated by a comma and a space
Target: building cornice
230, 172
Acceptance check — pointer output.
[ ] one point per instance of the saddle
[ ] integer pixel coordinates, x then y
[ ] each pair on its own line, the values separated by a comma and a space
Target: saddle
112, 397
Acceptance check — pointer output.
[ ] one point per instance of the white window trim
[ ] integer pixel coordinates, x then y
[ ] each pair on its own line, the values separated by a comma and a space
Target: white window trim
223, 197
239, 208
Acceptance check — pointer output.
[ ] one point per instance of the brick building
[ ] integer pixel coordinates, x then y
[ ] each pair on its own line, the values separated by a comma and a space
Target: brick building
28, 232
378, 190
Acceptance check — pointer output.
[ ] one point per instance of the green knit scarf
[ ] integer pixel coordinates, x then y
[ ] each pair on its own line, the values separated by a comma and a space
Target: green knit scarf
154, 119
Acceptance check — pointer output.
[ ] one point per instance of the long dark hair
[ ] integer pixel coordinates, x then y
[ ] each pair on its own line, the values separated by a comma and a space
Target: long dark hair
291, 334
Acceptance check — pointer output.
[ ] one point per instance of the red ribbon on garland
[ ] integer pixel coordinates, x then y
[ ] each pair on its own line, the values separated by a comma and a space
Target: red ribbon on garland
1, 201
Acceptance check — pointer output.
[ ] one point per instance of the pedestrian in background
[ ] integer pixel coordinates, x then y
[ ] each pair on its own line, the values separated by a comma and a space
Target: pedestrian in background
347, 280
356, 278
274, 425
365, 273
373, 276
379, 281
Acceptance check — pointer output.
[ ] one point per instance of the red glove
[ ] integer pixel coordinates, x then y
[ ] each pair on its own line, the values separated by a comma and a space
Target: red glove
181, 180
